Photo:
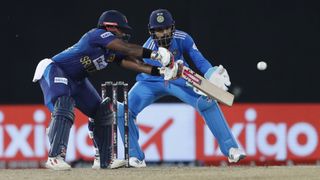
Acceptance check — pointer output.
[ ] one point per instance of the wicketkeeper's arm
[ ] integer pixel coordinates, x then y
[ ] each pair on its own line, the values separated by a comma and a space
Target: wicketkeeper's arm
196, 56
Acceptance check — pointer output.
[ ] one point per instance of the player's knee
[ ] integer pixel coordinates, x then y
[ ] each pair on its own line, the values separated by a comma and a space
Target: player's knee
104, 114
121, 112
64, 106
203, 103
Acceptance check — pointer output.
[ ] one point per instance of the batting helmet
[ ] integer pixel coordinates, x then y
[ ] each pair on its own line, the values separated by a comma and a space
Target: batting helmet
113, 18
160, 18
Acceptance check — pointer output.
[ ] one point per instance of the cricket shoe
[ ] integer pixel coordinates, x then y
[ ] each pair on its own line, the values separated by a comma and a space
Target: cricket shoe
96, 163
117, 163
136, 163
235, 155
57, 163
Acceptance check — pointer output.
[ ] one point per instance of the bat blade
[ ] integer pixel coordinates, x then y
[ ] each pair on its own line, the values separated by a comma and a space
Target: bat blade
207, 87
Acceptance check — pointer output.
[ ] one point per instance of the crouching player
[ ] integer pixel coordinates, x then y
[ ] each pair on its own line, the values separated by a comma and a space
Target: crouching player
65, 85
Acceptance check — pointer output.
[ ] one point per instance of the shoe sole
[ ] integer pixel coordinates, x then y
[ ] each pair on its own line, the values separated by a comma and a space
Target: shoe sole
57, 169
96, 167
240, 158
138, 166
120, 164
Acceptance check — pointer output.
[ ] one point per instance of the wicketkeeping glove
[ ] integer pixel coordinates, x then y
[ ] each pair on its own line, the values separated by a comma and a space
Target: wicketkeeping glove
219, 76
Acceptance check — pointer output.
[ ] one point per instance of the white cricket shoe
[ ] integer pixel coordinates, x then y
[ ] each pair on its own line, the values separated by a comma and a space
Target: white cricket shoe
117, 163
96, 163
57, 163
235, 155
136, 163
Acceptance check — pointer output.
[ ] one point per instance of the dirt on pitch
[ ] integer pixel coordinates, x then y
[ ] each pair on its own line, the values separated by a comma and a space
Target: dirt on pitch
172, 172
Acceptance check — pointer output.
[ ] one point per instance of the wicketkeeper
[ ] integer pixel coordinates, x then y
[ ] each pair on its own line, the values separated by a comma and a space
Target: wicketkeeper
149, 88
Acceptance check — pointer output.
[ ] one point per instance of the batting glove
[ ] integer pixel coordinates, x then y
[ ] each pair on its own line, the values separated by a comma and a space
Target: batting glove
164, 56
172, 73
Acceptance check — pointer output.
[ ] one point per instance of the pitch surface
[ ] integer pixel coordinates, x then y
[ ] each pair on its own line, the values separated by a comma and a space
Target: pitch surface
162, 173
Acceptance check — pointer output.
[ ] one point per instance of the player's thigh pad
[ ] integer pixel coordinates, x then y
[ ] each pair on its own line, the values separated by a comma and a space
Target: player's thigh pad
54, 84
87, 98
61, 122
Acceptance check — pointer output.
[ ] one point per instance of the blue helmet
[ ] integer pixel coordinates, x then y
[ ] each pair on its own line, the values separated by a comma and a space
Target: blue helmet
113, 18
161, 19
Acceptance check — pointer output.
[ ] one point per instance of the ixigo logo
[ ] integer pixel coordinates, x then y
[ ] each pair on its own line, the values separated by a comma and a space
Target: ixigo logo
30, 140
267, 139
15, 140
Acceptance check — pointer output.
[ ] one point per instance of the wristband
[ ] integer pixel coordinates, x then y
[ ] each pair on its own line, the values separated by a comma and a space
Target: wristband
155, 71
146, 53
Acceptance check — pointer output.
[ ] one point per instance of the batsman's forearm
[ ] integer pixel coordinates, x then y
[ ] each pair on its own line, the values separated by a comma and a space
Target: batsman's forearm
136, 65
138, 51
129, 49
134, 50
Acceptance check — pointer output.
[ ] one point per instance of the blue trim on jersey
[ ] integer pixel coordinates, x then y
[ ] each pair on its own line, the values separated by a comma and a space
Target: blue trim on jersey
46, 73
45, 86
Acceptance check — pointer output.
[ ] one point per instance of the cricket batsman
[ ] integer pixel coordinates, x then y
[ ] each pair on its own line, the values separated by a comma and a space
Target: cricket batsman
149, 88
65, 85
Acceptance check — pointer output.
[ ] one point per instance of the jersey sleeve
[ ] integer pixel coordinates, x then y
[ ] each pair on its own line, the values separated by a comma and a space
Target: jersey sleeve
102, 38
149, 44
201, 62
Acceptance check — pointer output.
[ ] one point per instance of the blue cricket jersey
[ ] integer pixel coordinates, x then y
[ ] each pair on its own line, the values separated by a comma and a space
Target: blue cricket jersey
181, 43
88, 55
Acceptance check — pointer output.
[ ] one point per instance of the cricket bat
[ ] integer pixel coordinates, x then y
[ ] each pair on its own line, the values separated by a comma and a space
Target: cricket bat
207, 87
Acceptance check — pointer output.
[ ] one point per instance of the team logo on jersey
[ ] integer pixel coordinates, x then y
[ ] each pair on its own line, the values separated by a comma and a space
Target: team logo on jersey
100, 63
106, 34
194, 47
160, 19
62, 80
